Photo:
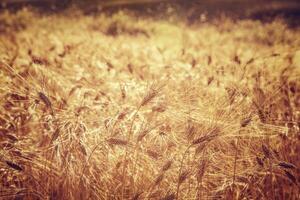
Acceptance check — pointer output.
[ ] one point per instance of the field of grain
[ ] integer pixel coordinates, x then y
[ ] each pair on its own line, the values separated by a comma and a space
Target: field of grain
127, 107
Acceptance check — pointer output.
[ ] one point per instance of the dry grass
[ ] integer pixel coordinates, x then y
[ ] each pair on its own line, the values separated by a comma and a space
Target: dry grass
119, 108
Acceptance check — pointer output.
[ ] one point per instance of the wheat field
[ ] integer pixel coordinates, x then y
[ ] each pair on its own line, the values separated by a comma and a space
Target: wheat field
126, 107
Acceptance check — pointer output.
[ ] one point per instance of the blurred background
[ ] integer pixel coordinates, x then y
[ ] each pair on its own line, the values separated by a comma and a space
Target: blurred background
191, 9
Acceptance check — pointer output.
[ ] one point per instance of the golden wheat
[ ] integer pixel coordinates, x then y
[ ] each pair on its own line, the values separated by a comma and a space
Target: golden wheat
121, 107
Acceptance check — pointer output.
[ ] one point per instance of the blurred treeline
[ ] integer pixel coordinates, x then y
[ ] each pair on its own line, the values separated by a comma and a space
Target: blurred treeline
190, 9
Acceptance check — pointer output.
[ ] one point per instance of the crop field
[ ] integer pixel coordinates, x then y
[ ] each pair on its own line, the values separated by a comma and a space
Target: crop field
120, 106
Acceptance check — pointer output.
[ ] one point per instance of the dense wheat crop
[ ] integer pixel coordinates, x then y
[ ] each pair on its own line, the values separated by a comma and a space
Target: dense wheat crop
120, 107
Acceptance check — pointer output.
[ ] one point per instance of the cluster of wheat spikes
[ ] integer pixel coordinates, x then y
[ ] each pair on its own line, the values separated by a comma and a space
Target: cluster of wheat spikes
111, 107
